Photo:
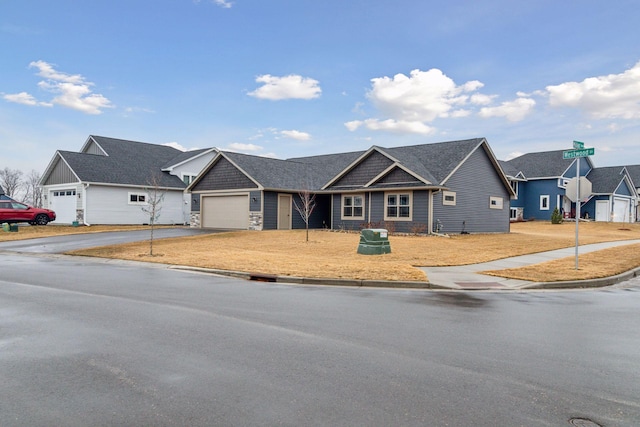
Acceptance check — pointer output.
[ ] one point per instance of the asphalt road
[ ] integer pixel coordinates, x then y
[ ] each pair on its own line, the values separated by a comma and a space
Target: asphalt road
90, 342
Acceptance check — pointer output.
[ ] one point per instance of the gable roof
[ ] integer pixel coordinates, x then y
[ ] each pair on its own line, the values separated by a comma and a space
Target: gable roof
605, 180
432, 163
634, 173
545, 164
121, 162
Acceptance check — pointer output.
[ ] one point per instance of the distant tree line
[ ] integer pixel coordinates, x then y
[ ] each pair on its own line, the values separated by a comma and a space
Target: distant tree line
23, 188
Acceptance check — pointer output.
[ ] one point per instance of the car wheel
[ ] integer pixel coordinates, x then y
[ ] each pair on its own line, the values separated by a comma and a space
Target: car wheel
42, 219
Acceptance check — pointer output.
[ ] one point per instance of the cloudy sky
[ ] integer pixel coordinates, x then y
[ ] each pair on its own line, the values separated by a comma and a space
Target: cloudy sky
288, 78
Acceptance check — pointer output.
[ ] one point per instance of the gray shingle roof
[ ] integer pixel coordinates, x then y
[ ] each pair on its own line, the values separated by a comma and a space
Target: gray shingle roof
540, 165
634, 173
605, 180
433, 162
126, 163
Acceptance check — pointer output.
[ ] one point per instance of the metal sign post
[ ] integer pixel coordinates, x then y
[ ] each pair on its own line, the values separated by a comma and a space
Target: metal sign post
577, 206
578, 151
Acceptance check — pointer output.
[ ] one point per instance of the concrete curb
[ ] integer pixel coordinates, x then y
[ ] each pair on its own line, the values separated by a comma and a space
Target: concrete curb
293, 280
588, 283
260, 277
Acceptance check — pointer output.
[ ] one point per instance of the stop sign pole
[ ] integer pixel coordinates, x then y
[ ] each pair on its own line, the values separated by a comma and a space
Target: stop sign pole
578, 152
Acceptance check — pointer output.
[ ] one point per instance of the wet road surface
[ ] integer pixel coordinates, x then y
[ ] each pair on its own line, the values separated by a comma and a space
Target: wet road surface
91, 342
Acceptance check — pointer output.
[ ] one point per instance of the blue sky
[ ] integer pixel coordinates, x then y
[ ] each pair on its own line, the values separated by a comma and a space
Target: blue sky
289, 78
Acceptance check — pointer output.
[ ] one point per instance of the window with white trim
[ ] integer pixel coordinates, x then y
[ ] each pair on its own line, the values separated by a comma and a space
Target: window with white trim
397, 206
353, 206
495, 203
513, 213
544, 202
448, 198
188, 178
137, 198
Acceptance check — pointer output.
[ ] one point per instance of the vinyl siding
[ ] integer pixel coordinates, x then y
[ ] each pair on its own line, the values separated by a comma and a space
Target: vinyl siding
110, 205
223, 176
365, 171
61, 174
536, 188
396, 176
93, 148
270, 213
475, 181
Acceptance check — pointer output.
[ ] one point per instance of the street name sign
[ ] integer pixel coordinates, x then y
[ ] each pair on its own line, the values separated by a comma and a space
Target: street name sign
578, 145
583, 152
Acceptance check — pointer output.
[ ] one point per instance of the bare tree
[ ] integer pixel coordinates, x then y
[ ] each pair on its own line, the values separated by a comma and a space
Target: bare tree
33, 191
10, 180
305, 207
155, 197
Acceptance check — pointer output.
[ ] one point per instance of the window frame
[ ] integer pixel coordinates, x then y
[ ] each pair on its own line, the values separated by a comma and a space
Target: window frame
353, 206
409, 205
543, 198
137, 195
190, 178
446, 194
499, 202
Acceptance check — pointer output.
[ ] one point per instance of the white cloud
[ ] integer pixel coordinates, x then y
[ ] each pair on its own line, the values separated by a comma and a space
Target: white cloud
296, 134
238, 146
287, 87
223, 3
25, 99
390, 125
72, 91
514, 111
422, 96
603, 97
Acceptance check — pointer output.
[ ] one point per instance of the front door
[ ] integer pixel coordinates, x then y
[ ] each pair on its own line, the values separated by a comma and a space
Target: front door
284, 211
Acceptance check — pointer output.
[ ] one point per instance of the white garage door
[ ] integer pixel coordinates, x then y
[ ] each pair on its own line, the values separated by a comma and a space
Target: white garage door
620, 210
63, 203
225, 211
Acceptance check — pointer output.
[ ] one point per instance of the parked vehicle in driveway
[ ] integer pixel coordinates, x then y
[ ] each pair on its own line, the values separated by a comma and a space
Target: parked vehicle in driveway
12, 211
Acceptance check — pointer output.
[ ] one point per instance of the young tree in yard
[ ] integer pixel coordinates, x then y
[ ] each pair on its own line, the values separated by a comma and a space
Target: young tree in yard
155, 197
305, 207
10, 180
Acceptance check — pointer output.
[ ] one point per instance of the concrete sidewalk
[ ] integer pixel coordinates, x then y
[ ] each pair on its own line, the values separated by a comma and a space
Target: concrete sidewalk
468, 277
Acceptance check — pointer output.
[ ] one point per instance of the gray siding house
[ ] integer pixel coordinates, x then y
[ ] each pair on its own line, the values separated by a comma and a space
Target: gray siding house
448, 187
108, 181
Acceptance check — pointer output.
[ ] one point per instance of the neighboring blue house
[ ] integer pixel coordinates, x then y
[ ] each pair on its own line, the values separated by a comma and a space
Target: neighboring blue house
539, 181
614, 195
450, 187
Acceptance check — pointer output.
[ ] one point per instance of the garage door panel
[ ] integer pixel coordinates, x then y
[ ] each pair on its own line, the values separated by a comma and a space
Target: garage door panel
225, 211
620, 210
63, 203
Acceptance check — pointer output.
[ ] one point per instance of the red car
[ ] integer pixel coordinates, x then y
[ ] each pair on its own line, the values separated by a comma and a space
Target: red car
12, 211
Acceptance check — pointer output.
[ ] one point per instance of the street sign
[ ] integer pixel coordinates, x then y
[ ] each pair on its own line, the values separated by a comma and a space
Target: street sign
578, 145
572, 154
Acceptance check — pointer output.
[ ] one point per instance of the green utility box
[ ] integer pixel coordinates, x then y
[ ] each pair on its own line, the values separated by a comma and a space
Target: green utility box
374, 241
10, 227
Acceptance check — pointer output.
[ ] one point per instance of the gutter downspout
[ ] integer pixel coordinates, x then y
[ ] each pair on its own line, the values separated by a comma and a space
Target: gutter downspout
84, 205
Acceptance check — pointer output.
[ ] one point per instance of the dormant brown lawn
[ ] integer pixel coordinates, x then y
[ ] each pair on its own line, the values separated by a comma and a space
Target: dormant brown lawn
333, 254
